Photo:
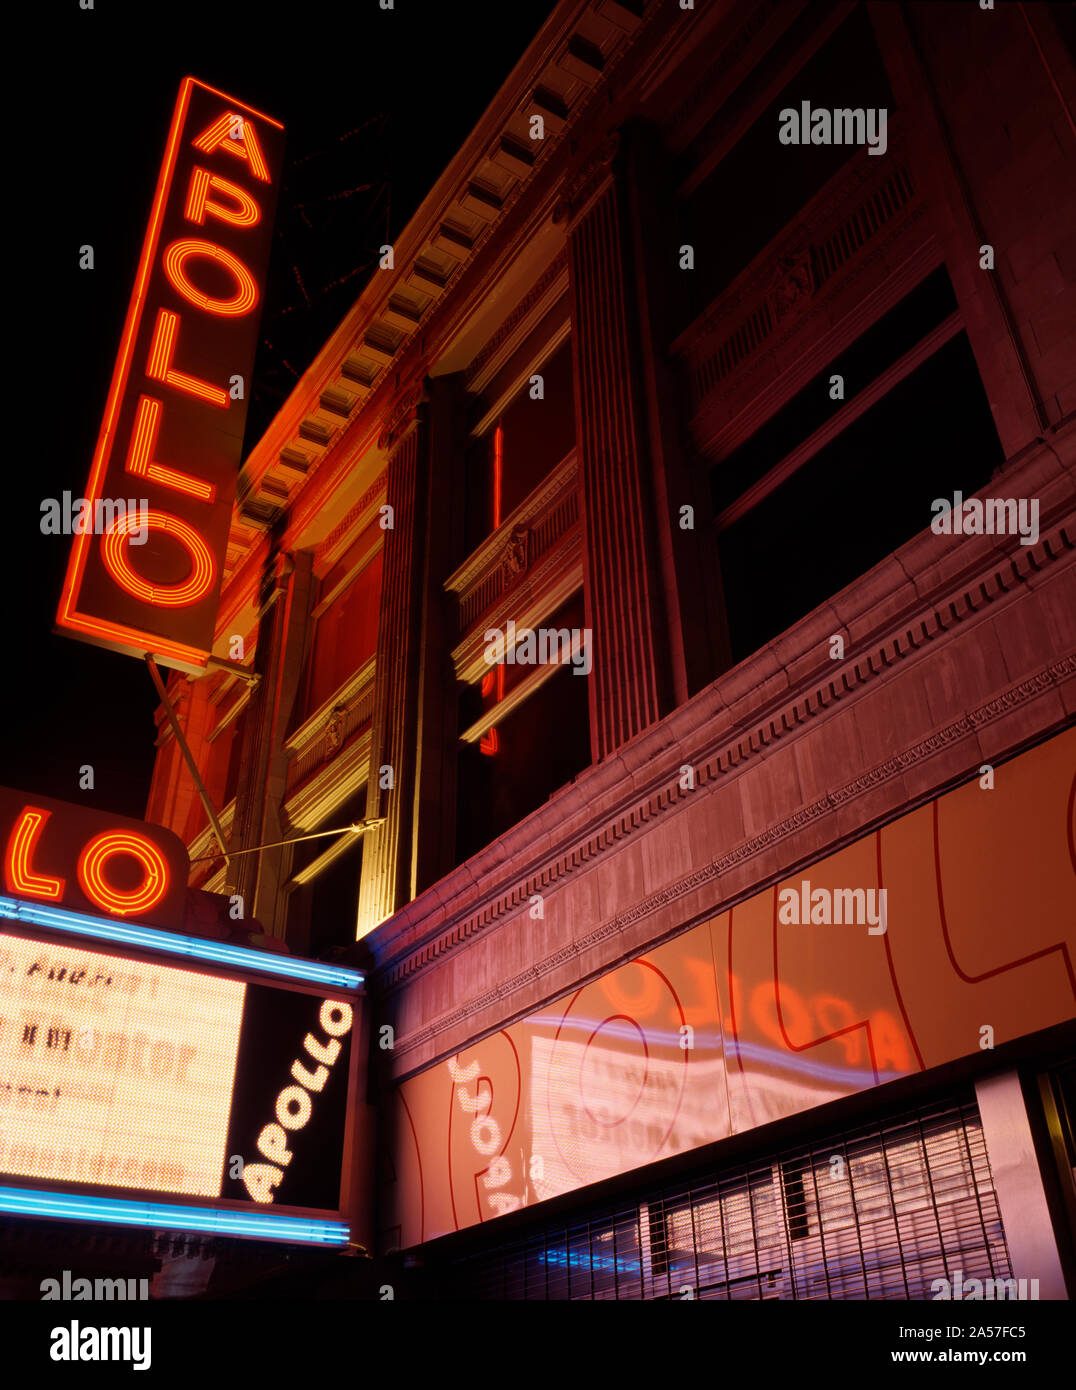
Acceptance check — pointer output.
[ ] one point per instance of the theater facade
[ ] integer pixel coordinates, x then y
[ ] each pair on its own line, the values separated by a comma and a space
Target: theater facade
668, 565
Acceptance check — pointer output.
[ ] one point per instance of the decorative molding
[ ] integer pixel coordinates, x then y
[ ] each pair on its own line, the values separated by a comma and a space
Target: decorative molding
318, 739
503, 341
892, 767
583, 183
788, 279
523, 543
993, 581
401, 418
329, 787
336, 542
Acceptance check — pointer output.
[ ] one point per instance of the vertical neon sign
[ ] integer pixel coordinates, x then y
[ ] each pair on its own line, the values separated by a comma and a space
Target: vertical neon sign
176, 407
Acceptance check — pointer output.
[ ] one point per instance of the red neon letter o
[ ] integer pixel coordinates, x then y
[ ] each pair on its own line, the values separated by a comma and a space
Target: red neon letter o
197, 584
91, 874
246, 295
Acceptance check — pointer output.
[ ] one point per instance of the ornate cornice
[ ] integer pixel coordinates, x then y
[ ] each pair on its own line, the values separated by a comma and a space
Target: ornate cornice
556, 270
401, 418
992, 710
587, 178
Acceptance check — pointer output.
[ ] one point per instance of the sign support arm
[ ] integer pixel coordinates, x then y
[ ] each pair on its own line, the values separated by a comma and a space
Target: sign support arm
188, 757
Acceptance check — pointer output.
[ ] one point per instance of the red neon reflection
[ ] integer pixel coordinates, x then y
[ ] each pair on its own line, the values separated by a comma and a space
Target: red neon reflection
490, 745
91, 872
18, 873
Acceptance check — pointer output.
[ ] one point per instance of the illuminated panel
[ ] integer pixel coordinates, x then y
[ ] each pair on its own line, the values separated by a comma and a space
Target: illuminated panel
746, 1018
165, 1216
67, 856
193, 947
114, 1071
196, 298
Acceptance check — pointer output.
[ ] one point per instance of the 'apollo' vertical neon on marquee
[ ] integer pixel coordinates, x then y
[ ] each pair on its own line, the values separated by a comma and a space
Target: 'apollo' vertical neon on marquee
173, 426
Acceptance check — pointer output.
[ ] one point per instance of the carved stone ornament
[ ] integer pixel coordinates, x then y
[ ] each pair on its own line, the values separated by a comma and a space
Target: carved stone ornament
583, 180
335, 725
794, 283
514, 555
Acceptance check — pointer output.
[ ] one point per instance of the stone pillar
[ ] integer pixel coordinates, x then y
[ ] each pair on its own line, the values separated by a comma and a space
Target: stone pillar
282, 638
434, 824
694, 612
631, 680
387, 852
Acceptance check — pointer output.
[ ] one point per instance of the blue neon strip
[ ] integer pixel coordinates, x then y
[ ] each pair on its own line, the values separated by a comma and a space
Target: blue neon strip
26, 1202
313, 972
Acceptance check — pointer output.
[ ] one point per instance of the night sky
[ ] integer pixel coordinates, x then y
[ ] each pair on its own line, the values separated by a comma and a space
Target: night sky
375, 104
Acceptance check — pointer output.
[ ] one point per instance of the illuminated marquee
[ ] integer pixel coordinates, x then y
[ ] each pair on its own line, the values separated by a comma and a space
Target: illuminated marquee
63, 855
177, 404
131, 1077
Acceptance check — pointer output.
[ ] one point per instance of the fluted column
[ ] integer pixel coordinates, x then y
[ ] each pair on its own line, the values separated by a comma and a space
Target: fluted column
630, 675
386, 859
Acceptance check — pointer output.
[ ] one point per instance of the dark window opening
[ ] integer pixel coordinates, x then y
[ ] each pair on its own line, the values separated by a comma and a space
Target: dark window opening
523, 758
885, 342
532, 436
859, 498
322, 913
737, 211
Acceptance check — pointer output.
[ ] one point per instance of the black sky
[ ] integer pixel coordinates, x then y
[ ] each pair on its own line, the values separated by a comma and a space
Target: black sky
375, 104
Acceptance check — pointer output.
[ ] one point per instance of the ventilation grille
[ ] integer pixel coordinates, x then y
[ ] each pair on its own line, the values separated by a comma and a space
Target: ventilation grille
878, 1213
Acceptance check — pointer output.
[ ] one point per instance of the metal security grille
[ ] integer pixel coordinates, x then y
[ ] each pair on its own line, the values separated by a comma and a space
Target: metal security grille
877, 1213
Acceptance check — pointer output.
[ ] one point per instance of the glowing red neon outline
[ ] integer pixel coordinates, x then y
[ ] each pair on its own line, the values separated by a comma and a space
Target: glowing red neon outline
18, 875
91, 872
192, 590
199, 207
214, 138
68, 616
175, 258
144, 446
159, 363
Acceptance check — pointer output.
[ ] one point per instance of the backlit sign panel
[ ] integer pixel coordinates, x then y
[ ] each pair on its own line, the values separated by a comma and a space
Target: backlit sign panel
172, 433
133, 1077
55, 853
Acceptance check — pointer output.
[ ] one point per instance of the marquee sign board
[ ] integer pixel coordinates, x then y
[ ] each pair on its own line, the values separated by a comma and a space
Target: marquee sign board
138, 1079
140, 1065
172, 433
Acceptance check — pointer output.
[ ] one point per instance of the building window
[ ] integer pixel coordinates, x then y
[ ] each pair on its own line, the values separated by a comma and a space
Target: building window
533, 434
345, 637
734, 212
823, 491
510, 764
323, 893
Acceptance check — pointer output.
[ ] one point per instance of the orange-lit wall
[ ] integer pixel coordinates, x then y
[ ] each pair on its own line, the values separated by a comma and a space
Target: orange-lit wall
981, 931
